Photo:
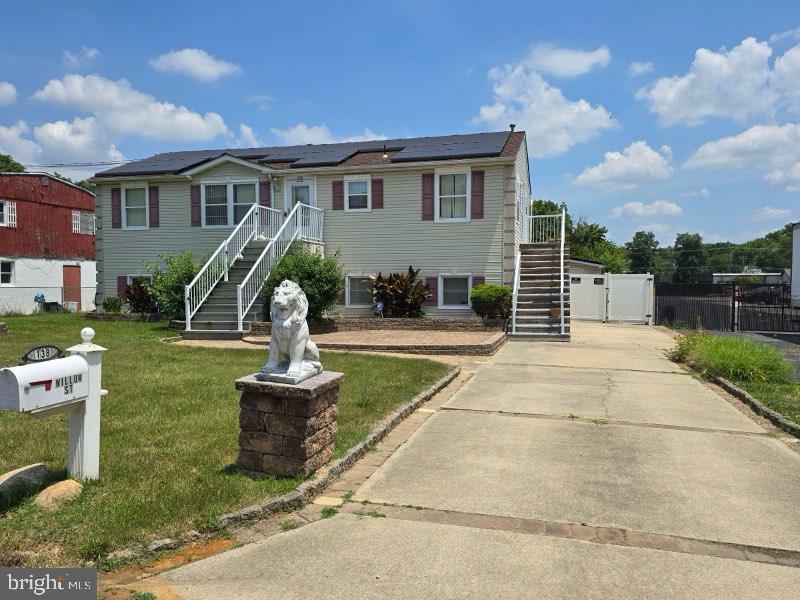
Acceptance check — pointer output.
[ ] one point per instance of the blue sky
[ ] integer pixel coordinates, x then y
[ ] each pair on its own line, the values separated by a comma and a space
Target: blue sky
701, 134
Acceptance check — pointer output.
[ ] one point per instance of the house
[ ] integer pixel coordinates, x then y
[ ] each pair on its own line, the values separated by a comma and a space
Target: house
452, 206
750, 275
46, 243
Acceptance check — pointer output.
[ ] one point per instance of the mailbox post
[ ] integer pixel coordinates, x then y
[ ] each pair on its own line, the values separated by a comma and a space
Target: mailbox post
83, 437
71, 384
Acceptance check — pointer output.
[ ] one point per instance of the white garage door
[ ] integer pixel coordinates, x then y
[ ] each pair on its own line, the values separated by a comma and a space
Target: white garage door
630, 298
587, 295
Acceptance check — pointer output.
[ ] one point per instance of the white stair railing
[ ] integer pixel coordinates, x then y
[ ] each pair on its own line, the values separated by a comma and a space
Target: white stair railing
541, 228
303, 222
517, 268
259, 221
561, 278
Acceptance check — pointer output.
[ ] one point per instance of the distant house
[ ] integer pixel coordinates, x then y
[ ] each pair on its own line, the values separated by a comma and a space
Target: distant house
46, 243
451, 206
750, 275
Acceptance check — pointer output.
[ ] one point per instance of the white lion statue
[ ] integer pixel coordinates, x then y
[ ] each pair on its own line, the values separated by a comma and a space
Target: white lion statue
293, 357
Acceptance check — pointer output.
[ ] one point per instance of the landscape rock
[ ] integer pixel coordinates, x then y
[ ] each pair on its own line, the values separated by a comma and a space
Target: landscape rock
123, 555
22, 481
53, 496
193, 534
159, 545
3, 328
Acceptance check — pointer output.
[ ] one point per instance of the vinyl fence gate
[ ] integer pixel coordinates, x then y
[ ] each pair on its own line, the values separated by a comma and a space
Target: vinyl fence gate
612, 297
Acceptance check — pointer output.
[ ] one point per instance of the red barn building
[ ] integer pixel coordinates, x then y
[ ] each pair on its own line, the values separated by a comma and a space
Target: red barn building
46, 243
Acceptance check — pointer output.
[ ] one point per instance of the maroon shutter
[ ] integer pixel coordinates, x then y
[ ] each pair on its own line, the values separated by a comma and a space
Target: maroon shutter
377, 193
427, 196
337, 189
152, 200
263, 194
433, 284
476, 209
116, 208
194, 196
122, 283
478, 281
341, 298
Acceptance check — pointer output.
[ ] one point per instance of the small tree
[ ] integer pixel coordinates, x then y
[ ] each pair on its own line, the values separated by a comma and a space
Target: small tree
170, 278
641, 251
9, 165
491, 301
321, 278
139, 297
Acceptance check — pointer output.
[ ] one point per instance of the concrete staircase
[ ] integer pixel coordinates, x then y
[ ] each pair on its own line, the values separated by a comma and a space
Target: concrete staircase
216, 318
538, 299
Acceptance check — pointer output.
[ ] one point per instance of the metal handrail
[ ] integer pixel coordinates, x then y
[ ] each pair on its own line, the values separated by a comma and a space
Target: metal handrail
517, 268
541, 228
259, 220
561, 279
304, 222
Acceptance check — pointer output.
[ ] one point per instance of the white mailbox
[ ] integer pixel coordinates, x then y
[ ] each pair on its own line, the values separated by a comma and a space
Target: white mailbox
44, 385
71, 384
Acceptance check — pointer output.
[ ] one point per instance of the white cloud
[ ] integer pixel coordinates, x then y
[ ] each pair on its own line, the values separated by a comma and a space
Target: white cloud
637, 68
195, 63
636, 164
320, 134
786, 78
760, 146
791, 34
768, 213
14, 142
8, 93
735, 84
639, 209
121, 109
554, 124
654, 227
80, 59
264, 100
790, 177
701, 193
247, 138
565, 62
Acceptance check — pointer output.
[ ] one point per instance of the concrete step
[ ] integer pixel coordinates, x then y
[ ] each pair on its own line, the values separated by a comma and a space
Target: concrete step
221, 325
538, 311
212, 335
539, 337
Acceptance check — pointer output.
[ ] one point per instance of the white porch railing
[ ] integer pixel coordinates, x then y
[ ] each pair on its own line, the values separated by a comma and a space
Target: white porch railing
259, 221
517, 268
538, 229
303, 222
561, 278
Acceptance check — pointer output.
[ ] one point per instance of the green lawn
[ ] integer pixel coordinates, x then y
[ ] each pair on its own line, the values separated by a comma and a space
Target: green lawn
169, 434
781, 397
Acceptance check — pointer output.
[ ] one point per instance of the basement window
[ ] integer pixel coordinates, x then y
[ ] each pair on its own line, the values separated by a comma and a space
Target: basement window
359, 291
454, 291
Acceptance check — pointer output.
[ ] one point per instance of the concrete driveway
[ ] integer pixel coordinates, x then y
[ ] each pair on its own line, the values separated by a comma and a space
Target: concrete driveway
592, 469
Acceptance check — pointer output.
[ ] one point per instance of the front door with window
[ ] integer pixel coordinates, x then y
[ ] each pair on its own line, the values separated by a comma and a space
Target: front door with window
301, 191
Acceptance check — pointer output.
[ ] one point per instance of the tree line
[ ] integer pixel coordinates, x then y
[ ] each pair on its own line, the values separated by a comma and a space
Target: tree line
688, 260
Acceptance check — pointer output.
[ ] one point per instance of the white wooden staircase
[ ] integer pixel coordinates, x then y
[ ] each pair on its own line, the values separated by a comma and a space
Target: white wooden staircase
225, 296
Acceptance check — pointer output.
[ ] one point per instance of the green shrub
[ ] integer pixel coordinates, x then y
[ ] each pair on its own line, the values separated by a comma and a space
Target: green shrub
400, 294
112, 304
170, 278
321, 278
734, 358
139, 297
491, 301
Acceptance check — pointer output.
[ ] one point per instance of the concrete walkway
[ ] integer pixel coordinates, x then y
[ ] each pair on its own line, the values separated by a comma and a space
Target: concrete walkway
592, 469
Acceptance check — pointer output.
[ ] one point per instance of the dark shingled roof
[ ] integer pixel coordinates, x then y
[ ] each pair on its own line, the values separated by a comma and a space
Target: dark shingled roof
472, 145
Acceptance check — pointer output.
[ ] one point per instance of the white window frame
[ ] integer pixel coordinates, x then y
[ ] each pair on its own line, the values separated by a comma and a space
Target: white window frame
13, 270
440, 292
365, 178
347, 302
229, 182
9, 213
76, 222
131, 276
300, 180
123, 193
436, 204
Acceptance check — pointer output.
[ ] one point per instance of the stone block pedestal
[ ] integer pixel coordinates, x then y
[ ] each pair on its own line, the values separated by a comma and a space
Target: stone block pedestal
287, 429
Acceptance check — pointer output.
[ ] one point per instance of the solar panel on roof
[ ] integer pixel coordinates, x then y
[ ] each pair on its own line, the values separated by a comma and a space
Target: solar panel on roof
465, 146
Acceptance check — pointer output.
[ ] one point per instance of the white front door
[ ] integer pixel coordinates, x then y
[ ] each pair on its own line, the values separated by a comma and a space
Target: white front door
300, 190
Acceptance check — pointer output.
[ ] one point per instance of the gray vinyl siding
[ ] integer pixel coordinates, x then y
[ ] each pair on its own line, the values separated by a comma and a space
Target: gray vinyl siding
387, 239
123, 252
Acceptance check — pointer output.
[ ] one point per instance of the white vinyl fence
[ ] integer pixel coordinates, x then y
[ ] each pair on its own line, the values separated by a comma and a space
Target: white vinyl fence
612, 297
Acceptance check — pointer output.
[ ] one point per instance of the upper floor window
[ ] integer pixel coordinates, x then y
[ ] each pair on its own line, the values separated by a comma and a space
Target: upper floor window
357, 196
8, 213
225, 204
452, 195
134, 207
82, 222
6, 272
